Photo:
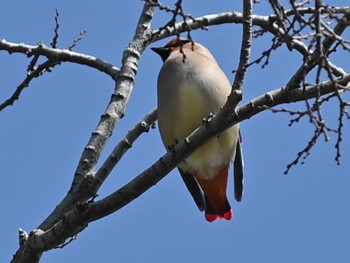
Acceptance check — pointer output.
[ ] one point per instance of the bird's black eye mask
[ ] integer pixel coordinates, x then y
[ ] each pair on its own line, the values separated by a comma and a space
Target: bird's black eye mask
164, 52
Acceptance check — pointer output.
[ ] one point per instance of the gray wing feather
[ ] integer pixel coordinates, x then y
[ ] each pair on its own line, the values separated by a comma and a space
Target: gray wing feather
194, 188
238, 170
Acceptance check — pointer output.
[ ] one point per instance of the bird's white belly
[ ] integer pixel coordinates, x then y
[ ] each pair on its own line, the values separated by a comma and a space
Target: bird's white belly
209, 158
189, 106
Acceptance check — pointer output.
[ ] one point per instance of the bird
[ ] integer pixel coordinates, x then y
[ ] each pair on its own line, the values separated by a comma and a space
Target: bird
191, 86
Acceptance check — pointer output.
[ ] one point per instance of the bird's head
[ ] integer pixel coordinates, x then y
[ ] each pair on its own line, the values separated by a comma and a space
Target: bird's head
173, 45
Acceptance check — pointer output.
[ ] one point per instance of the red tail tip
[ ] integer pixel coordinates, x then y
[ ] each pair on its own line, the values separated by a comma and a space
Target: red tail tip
228, 215
211, 217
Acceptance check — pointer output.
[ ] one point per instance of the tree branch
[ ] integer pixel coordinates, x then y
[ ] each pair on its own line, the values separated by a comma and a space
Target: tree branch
83, 213
313, 59
122, 147
125, 79
114, 112
265, 22
25, 83
61, 55
74, 212
245, 45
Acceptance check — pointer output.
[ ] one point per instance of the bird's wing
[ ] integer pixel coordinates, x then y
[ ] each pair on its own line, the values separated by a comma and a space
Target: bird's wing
238, 170
194, 188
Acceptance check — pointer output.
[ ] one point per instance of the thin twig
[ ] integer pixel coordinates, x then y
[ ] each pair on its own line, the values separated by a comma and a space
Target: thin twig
44, 67
57, 27
75, 41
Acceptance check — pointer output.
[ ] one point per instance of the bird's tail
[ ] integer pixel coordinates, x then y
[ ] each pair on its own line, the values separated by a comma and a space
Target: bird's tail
217, 205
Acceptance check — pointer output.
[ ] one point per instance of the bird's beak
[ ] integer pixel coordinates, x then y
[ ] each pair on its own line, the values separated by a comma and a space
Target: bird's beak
159, 50
163, 52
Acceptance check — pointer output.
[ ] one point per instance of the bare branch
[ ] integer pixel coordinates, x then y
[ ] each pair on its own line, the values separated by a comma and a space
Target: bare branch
55, 57
77, 218
57, 27
314, 59
115, 111
31, 66
61, 55
245, 46
177, 11
25, 83
79, 207
76, 41
122, 147
306, 151
265, 22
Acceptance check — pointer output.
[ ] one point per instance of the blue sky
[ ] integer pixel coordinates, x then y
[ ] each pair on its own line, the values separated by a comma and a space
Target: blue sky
302, 217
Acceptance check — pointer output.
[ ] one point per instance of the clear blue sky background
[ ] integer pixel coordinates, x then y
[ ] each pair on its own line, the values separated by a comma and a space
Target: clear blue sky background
302, 217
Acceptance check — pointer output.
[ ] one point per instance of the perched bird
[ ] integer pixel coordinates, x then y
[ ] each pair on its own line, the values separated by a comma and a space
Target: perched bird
191, 86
